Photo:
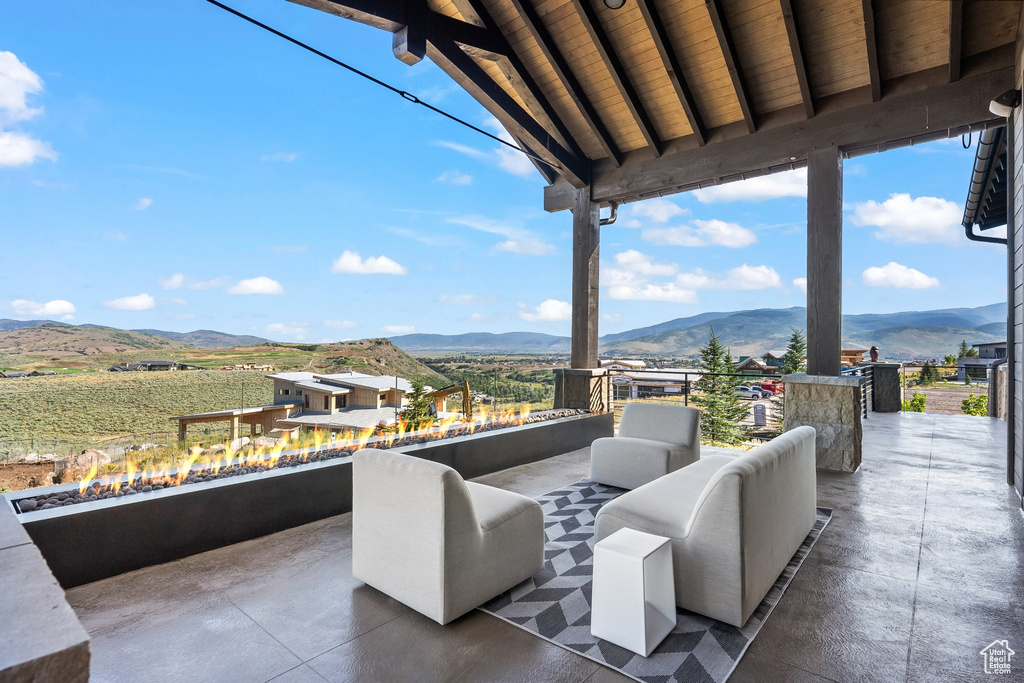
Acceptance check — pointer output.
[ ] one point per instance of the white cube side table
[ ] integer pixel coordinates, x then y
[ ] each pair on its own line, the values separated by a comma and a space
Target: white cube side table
634, 597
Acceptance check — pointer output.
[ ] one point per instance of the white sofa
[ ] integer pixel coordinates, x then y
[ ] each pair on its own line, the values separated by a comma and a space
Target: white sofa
653, 440
437, 543
734, 522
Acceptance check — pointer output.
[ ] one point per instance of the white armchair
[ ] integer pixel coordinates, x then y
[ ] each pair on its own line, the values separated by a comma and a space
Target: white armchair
653, 440
437, 543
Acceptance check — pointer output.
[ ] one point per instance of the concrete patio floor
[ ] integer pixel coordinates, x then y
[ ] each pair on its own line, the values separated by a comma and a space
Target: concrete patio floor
921, 567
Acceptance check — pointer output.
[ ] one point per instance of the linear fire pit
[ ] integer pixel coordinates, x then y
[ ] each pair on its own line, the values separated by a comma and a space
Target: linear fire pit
105, 537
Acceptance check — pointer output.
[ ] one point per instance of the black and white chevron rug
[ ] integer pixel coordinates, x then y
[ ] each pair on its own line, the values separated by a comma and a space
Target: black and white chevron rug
555, 604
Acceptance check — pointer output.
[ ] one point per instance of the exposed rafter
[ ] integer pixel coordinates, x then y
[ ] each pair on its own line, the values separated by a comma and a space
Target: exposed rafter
519, 122
729, 53
675, 72
956, 20
518, 74
611, 61
872, 46
798, 56
547, 46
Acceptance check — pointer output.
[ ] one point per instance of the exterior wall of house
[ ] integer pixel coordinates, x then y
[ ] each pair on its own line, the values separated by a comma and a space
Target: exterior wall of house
1016, 260
281, 385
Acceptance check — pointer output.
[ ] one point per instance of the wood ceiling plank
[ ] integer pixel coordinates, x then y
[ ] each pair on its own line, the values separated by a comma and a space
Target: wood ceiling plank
988, 25
589, 17
798, 57
725, 42
956, 17
871, 43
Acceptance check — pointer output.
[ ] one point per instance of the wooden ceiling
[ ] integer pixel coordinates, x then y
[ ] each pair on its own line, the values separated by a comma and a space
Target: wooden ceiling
661, 83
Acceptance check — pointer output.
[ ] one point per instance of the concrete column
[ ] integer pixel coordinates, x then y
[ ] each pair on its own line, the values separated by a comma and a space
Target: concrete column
824, 261
586, 227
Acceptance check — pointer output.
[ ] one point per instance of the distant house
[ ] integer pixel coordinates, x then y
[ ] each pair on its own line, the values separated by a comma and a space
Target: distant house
977, 368
118, 368
13, 374
346, 400
753, 366
773, 361
41, 373
153, 365
851, 357
623, 364
654, 383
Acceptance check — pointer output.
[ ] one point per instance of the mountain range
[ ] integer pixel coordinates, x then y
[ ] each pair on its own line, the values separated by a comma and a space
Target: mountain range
204, 339
900, 336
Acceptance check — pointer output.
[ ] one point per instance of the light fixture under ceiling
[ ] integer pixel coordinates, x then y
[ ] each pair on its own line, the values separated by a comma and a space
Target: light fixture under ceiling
614, 4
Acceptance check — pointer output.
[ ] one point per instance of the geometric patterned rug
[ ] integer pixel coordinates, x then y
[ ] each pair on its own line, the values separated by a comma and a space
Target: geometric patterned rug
555, 604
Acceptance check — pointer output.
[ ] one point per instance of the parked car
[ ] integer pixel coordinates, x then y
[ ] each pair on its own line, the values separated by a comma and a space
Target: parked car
772, 387
752, 393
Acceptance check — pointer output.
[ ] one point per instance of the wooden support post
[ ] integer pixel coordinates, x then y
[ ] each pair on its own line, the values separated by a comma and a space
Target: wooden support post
234, 428
586, 237
824, 261
182, 431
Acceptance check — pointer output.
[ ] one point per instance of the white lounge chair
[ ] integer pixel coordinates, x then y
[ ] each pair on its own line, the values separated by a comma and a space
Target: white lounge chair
653, 440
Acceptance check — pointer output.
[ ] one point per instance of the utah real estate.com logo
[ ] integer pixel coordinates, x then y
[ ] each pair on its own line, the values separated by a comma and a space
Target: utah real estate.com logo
997, 656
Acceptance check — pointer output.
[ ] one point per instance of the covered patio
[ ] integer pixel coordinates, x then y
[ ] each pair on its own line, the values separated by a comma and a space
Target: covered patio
922, 567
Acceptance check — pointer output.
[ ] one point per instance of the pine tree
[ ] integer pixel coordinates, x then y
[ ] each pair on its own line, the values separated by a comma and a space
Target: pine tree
795, 358
417, 414
929, 375
722, 407
967, 351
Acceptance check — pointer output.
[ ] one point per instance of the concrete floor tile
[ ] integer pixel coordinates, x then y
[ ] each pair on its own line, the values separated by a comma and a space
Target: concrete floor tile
874, 543
754, 669
839, 623
605, 674
316, 608
300, 674
217, 644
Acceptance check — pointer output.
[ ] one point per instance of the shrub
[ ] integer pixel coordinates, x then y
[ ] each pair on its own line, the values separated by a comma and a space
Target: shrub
915, 404
975, 405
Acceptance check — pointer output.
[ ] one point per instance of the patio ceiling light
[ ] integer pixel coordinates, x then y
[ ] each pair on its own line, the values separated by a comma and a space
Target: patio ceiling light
614, 4
1004, 104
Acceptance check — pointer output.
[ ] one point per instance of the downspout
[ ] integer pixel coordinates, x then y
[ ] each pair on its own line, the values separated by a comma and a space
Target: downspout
988, 144
613, 216
1011, 351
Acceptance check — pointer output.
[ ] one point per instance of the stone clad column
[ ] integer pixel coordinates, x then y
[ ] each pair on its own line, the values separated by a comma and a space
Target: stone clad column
832, 405
824, 261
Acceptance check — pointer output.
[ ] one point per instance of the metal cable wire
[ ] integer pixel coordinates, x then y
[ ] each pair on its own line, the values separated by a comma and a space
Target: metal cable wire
402, 93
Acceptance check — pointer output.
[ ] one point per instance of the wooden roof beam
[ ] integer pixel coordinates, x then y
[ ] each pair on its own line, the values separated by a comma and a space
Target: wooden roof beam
547, 46
675, 72
932, 112
798, 56
519, 122
517, 73
956, 20
728, 48
611, 61
872, 46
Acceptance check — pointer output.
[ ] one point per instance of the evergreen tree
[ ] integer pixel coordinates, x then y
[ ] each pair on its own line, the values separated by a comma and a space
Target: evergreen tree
417, 413
722, 407
795, 358
967, 351
929, 375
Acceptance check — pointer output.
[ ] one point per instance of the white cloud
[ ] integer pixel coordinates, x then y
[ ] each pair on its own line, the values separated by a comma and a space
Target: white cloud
641, 263
208, 284
176, 300
630, 223
785, 184
479, 317
462, 299
801, 284
296, 331
59, 308
742, 277
18, 149
510, 160
286, 157
518, 240
911, 221
462, 149
550, 310
658, 210
398, 329
350, 262
143, 204
340, 324
702, 234
896, 275
17, 82
455, 178
611, 318
257, 285
115, 236
667, 291
139, 302
175, 281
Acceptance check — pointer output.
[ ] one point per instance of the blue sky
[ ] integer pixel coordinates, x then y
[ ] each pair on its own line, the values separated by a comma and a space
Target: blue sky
166, 165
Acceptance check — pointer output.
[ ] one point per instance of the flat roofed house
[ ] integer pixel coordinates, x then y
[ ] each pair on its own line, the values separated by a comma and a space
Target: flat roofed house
347, 400
977, 368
